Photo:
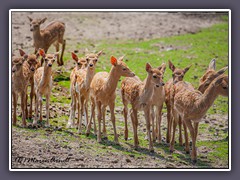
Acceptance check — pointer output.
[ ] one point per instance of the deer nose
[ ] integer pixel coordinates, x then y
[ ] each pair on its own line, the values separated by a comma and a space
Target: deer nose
162, 84
31, 29
50, 65
91, 65
13, 70
32, 69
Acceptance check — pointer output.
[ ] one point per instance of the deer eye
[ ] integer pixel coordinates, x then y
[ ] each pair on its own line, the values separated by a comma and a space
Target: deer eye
46, 59
79, 63
224, 87
154, 76
124, 69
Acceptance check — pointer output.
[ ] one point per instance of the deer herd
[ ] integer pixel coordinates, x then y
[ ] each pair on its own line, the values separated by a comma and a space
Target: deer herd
186, 105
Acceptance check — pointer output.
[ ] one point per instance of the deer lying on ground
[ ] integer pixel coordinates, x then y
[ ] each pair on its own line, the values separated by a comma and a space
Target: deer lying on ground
33, 65
139, 95
102, 92
20, 79
81, 63
192, 105
81, 85
178, 75
158, 99
52, 34
43, 84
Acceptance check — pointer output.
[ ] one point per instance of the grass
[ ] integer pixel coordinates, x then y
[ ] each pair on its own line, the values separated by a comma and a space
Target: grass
196, 49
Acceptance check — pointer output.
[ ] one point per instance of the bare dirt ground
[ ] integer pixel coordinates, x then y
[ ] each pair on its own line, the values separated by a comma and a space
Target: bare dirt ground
81, 154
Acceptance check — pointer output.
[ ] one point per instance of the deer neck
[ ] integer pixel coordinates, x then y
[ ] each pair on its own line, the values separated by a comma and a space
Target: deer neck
47, 74
147, 90
36, 35
112, 81
89, 76
207, 99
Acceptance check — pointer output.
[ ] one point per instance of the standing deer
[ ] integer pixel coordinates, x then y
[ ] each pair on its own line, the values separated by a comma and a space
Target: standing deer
43, 84
139, 95
102, 92
192, 105
20, 79
81, 63
178, 75
80, 85
52, 34
158, 99
33, 65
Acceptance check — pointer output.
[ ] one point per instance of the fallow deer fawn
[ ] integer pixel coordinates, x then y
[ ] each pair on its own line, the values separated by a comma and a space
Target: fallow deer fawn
81, 63
102, 92
43, 84
33, 65
139, 95
20, 79
80, 88
192, 105
158, 99
178, 75
52, 34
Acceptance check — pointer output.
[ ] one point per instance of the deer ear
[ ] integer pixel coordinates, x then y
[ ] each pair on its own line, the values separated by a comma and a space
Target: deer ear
21, 52
171, 66
148, 67
41, 52
43, 20
186, 69
121, 58
113, 61
99, 53
162, 68
221, 71
30, 19
212, 64
74, 56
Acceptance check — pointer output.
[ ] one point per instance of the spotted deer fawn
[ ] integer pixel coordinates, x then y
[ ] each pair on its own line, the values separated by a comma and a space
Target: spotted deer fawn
178, 75
192, 105
33, 65
139, 95
80, 88
20, 79
102, 92
43, 84
52, 34
81, 63
158, 99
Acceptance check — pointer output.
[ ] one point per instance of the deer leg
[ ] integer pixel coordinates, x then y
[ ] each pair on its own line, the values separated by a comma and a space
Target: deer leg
92, 117
112, 106
26, 109
134, 119
36, 110
125, 114
169, 123
194, 151
23, 107
47, 110
63, 48
175, 122
31, 100
152, 118
71, 120
81, 108
147, 118
57, 50
180, 131
15, 97
99, 121
187, 148
104, 123
40, 104
196, 124
159, 121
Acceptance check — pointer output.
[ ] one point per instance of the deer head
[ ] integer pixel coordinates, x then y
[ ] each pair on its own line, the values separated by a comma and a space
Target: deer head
49, 59
156, 74
35, 23
178, 73
81, 62
31, 59
121, 67
210, 75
